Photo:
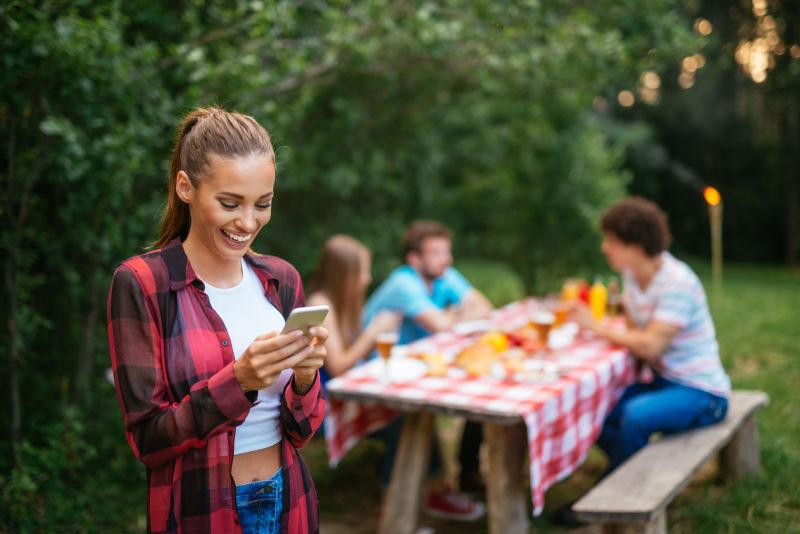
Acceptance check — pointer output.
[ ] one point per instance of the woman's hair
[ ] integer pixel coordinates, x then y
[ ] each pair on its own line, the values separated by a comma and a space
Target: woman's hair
337, 275
419, 231
638, 221
203, 133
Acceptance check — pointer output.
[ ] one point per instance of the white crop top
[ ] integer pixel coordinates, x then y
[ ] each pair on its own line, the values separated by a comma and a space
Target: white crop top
247, 314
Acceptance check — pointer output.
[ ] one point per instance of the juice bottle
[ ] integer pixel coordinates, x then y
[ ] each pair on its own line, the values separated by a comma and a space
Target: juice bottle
569, 292
598, 298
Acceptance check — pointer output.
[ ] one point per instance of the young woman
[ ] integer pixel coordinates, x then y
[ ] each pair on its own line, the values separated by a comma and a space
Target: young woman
341, 281
215, 401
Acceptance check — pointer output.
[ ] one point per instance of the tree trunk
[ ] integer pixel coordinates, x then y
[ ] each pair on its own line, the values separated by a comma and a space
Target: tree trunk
10, 266
12, 324
86, 355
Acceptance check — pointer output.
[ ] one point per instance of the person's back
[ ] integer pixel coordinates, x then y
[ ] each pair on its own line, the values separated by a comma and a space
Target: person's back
340, 282
676, 297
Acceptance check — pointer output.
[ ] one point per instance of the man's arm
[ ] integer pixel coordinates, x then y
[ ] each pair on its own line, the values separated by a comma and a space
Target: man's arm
436, 320
473, 306
647, 344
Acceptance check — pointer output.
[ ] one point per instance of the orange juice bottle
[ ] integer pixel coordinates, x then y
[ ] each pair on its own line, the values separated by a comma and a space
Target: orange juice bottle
598, 298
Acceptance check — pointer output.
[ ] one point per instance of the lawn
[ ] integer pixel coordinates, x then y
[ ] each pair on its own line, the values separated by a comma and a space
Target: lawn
756, 315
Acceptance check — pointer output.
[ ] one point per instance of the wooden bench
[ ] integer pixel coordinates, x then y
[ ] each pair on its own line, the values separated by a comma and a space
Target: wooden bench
634, 498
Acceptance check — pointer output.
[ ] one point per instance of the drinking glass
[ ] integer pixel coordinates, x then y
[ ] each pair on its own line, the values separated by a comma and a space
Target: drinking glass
385, 341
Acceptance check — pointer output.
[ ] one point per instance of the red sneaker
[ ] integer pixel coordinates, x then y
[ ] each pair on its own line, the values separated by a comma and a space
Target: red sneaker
453, 505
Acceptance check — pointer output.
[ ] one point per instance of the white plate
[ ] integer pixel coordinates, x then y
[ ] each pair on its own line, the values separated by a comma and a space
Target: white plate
563, 336
476, 326
406, 369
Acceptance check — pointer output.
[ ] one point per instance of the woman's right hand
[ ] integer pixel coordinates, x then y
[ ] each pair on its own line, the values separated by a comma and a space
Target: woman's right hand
268, 355
385, 320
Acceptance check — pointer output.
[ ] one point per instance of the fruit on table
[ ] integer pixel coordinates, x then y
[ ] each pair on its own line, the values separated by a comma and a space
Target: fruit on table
526, 338
497, 340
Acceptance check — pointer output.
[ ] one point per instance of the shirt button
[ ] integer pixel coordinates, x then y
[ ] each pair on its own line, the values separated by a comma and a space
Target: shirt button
224, 342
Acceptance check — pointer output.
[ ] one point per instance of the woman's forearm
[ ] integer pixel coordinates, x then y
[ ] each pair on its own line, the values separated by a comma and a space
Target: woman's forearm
347, 358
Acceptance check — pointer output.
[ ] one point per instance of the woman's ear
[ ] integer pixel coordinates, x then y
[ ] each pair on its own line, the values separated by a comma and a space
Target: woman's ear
184, 187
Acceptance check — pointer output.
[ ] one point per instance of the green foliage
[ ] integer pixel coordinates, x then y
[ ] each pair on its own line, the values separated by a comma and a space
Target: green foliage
497, 281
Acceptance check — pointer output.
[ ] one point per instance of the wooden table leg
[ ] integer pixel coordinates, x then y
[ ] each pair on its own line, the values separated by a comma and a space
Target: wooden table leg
508, 508
401, 506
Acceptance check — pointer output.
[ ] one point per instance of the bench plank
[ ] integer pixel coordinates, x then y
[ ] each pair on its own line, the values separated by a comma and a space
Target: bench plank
641, 488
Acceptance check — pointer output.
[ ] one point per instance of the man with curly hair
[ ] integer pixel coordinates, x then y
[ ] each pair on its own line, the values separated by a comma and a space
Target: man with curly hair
670, 331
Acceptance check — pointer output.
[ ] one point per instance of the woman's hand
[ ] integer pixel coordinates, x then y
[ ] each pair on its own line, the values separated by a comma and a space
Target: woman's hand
383, 321
306, 369
268, 355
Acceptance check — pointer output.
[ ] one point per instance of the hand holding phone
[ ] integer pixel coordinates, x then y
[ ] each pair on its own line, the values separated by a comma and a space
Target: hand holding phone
303, 318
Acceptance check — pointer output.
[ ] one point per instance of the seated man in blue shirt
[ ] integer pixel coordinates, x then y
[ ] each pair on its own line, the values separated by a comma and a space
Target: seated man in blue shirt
432, 297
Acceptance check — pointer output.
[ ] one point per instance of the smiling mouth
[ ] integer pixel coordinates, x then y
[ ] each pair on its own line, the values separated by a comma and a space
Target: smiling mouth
237, 238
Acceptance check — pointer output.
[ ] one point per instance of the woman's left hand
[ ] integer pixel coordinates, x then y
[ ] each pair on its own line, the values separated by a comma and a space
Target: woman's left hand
306, 370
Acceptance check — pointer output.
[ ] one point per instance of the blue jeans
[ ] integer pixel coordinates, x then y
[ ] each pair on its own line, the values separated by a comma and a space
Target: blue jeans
259, 505
660, 406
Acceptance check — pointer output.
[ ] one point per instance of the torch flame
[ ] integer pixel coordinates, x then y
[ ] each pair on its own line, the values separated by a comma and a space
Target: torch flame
712, 196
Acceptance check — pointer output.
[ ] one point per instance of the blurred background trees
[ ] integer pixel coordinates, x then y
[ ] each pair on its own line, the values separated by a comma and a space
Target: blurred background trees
516, 124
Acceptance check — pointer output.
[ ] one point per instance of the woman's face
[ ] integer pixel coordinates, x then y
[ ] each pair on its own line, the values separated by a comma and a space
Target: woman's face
231, 203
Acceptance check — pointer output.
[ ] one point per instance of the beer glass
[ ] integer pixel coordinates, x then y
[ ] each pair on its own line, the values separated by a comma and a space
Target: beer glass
385, 341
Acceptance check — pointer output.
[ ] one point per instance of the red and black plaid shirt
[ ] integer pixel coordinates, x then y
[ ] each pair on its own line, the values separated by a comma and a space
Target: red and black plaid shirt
173, 369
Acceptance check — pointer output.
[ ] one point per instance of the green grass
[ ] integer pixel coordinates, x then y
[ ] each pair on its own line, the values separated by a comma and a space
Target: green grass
756, 316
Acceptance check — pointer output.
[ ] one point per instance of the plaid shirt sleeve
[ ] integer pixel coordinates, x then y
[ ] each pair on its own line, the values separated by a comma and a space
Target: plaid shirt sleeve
300, 414
158, 427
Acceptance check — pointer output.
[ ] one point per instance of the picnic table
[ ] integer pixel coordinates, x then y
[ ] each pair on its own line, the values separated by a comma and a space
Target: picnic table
555, 421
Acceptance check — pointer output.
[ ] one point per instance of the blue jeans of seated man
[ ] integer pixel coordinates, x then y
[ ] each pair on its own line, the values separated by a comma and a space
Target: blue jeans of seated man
660, 406
259, 505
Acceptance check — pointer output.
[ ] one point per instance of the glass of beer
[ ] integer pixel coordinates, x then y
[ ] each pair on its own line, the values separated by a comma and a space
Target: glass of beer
560, 312
542, 321
385, 341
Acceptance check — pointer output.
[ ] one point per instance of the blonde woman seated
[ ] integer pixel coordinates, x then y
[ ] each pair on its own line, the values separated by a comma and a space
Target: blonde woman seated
341, 281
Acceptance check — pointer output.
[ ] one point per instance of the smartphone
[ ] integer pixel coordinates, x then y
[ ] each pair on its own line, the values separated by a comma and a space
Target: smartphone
302, 318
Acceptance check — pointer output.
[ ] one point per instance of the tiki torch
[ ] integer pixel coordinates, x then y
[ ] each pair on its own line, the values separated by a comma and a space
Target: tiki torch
714, 201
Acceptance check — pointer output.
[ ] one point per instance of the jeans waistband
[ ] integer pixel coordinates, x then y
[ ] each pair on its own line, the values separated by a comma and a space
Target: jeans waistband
274, 481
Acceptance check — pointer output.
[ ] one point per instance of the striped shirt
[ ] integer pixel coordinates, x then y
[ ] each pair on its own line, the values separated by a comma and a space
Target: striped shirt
173, 370
676, 297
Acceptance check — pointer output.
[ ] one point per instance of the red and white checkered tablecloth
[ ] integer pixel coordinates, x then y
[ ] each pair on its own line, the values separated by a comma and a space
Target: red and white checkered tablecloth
563, 417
